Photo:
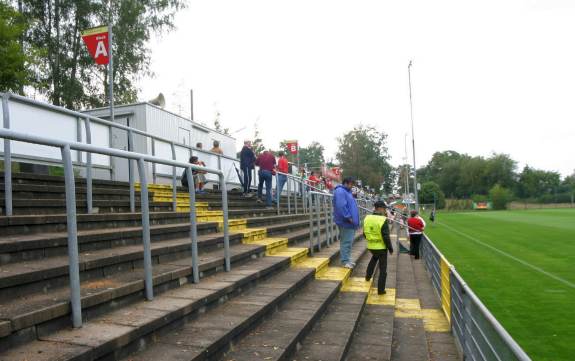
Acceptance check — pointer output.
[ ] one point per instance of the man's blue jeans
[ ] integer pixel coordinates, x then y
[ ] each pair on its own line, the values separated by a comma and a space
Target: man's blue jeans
265, 176
282, 179
346, 236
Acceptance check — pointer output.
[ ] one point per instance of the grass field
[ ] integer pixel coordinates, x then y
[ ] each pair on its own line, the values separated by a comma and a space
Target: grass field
521, 264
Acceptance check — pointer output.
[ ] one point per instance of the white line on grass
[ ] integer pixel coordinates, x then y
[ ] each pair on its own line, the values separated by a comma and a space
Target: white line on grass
527, 264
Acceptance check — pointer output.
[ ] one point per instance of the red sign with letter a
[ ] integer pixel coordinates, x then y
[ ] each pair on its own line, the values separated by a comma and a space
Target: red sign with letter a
292, 146
96, 40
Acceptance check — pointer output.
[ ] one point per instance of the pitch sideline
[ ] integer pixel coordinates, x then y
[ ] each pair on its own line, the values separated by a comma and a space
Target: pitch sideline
525, 263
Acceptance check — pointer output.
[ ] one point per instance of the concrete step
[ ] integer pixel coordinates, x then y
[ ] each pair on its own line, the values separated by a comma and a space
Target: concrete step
30, 224
278, 336
119, 331
26, 306
373, 336
331, 337
41, 245
35, 273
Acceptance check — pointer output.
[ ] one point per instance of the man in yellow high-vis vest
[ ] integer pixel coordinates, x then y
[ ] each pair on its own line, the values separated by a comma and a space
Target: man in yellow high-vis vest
376, 232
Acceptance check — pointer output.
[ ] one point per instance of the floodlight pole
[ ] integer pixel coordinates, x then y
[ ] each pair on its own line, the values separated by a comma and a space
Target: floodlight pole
413, 139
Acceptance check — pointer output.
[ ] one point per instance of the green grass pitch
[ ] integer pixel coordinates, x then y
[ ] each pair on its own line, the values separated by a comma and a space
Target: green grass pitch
521, 264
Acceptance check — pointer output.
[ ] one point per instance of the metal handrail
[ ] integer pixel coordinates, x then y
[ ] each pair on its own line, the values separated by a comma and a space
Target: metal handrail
73, 258
464, 292
88, 119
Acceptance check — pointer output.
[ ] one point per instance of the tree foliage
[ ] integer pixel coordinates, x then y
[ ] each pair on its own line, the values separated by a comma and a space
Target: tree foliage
70, 77
430, 193
257, 142
14, 61
363, 154
500, 196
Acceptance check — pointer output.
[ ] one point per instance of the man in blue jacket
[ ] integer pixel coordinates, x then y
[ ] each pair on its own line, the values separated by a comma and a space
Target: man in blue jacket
346, 216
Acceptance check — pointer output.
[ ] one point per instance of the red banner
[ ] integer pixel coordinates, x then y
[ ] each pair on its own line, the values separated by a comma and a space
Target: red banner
96, 40
292, 146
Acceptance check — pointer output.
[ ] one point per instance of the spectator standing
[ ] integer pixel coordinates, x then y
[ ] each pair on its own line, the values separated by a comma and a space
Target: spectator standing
216, 148
376, 232
416, 225
267, 162
247, 161
313, 180
199, 145
346, 217
283, 167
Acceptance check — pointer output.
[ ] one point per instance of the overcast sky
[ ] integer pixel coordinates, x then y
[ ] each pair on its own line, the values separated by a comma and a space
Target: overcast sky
488, 76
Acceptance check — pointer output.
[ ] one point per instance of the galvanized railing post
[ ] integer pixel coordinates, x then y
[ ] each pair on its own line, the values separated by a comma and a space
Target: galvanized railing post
226, 226
73, 258
288, 193
193, 225
318, 218
146, 230
311, 229
295, 195
174, 180
131, 173
219, 162
7, 159
89, 202
153, 164
278, 195
326, 220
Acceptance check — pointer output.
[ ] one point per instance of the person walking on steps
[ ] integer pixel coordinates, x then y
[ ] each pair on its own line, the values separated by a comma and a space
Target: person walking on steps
415, 225
267, 163
346, 217
376, 232
283, 167
247, 161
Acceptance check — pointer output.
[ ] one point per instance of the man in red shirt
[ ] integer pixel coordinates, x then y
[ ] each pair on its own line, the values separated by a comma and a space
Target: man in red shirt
283, 167
416, 226
313, 180
267, 162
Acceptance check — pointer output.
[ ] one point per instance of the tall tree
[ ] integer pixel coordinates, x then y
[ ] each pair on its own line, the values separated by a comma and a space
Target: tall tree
15, 61
69, 76
363, 154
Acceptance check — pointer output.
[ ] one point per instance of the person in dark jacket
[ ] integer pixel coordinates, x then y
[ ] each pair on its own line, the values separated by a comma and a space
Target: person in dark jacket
346, 217
376, 232
247, 161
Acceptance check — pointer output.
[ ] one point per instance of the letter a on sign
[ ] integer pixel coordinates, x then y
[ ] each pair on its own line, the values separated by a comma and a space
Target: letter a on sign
96, 40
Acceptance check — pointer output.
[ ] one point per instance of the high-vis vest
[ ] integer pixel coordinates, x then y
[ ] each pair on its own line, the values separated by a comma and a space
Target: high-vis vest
372, 228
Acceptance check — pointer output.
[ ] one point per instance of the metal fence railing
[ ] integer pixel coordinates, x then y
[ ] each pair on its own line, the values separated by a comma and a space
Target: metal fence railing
479, 336
66, 149
73, 126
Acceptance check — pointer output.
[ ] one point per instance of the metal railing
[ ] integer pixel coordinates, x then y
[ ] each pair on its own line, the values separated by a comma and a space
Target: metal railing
479, 336
141, 159
222, 163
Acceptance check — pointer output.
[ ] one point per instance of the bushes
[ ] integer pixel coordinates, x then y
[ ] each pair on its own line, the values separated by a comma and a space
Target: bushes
458, 204
500, 196
428, 190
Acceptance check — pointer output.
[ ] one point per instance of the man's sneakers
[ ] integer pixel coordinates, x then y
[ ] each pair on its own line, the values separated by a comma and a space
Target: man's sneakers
349, 265
259, 201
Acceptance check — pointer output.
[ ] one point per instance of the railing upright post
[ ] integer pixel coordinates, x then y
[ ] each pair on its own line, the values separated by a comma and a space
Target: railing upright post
89, 202
73, 258
311, 229
278, 195
226, 226
288, 194
131, 173
318, 218
7, 159
295, 195
174, 180
219, 162
146, 230
326, 220
153, 164
193, 226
